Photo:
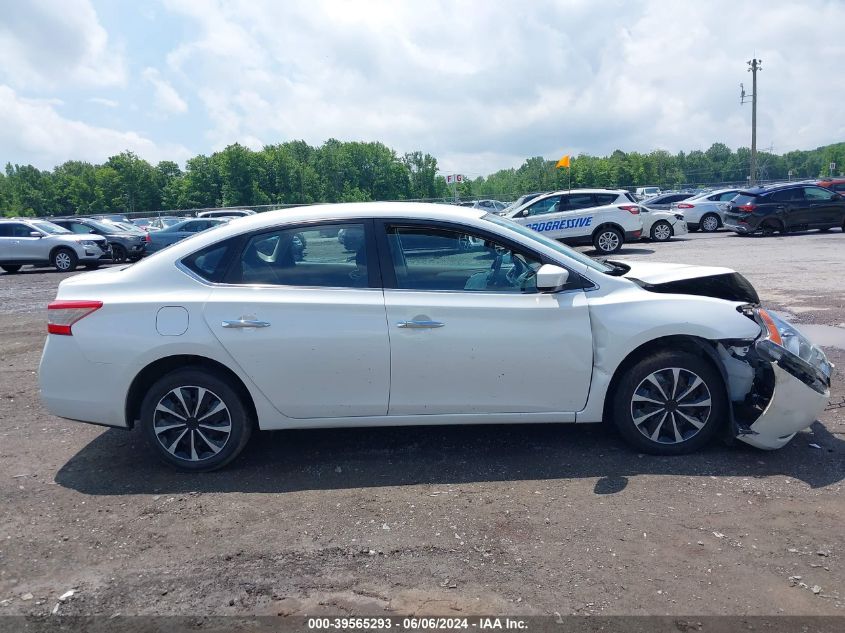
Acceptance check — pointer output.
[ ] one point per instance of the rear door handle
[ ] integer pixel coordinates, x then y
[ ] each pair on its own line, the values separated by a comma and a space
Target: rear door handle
244, 323
420, 325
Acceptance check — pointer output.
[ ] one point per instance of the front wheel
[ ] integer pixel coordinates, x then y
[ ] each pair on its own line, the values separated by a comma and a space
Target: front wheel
670, 403
11, 268
710, 223
195, 421
118, 254
608, 240
64, 260
661, 231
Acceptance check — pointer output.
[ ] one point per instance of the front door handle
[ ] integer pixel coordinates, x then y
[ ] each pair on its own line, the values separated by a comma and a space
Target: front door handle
244, 323
420, 325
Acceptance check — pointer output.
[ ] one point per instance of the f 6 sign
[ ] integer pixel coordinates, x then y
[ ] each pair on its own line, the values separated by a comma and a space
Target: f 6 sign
454, 178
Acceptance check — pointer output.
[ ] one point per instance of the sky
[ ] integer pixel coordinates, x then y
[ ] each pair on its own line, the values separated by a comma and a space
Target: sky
480, 85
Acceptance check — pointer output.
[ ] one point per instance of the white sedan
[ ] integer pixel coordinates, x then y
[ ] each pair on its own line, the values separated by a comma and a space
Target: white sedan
434, 315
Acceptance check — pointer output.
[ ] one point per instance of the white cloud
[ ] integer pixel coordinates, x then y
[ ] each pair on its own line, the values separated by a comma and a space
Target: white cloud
50, 43
108, 103
167, 100
33, 129
484, 85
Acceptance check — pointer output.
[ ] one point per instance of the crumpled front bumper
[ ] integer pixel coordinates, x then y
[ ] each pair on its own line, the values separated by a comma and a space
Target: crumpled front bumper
800, 393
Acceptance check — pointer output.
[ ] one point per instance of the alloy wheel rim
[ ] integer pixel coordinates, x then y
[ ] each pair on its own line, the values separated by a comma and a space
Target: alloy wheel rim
662, 232
63, 261
608, 241
192, 423
710, 224
671, 405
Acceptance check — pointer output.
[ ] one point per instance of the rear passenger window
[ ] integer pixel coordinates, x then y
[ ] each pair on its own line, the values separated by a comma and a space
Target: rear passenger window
330, 255
605, 198
788, 195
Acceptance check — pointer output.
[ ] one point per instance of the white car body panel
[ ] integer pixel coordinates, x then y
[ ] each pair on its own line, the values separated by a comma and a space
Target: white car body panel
336, 334
500, 358
430, 372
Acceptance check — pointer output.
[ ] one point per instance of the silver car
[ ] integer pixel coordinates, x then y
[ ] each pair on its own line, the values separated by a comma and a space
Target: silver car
41, 243
706, 211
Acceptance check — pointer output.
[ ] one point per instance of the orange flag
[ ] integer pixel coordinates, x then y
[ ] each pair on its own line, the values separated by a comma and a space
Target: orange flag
563, 162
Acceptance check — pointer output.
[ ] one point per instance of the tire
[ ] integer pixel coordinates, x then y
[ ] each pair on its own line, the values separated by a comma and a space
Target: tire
769, 227
710, 223
118, 254
11, 268
190, 449
608, 240
648, 427
692, 229
661, 231
64, 260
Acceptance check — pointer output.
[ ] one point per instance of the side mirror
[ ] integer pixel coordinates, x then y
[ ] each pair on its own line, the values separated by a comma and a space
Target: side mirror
551, 278
35, 234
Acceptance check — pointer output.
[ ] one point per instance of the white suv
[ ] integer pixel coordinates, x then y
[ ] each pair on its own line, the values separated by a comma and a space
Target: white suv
605, 218
42, 243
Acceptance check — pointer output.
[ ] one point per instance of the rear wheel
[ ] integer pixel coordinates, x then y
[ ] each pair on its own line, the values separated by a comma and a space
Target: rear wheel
769, 227
661, 231
710, 223
11, 268
608, 240
195, 421
670, 403
64, 260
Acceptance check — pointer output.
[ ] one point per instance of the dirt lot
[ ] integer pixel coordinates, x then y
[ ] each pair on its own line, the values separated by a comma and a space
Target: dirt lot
519, 520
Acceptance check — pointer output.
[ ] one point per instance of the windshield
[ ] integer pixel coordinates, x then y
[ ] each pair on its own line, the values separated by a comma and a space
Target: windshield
49, 227
545, 241
104, 227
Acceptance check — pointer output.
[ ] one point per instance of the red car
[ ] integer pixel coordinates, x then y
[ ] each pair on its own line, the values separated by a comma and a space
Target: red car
835, 184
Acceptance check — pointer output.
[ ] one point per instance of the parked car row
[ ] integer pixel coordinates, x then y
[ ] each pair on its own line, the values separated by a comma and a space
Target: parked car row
65, 243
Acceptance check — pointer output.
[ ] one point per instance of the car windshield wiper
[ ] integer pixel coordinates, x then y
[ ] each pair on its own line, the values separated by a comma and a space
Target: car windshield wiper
619, 268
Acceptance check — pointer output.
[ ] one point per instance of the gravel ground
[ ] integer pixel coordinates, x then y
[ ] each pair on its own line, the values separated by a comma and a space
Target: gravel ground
455, 521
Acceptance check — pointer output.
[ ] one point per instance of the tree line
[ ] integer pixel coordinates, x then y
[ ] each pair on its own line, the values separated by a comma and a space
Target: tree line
297, 173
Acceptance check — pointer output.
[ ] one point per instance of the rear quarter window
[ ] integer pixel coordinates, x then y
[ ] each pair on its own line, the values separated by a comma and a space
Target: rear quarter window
211, 262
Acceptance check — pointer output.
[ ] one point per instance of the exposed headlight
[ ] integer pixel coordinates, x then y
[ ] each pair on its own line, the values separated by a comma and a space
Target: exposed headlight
89, 243
788, 338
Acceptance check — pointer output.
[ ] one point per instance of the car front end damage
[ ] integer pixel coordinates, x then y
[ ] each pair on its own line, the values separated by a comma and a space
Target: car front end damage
778, 384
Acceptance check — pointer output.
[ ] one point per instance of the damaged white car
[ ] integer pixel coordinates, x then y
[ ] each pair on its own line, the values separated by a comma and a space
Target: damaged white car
424, 314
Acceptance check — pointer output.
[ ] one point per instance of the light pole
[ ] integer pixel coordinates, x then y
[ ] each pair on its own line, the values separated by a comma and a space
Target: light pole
753, 66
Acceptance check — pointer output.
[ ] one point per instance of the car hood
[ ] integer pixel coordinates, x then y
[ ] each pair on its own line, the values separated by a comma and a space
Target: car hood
705, 281
80, 237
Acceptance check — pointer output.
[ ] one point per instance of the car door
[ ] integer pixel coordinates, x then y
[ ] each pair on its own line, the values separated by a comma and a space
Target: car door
469, 333
822, 209
534, 216
792, 207
17, 243
309, 331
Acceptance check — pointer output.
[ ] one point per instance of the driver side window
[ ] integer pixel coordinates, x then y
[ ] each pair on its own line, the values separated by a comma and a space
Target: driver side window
435, 258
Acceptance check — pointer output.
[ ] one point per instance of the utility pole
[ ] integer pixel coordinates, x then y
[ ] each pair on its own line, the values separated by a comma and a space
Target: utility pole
753, 66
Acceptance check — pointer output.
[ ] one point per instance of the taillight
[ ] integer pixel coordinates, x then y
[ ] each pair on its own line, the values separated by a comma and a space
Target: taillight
685, 205
61, 315
630, 208
747, 208
147, 237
